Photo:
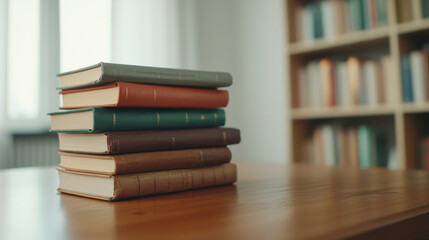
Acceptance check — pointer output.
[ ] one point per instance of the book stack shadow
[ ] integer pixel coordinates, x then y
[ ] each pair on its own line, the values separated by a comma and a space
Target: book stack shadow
130, 131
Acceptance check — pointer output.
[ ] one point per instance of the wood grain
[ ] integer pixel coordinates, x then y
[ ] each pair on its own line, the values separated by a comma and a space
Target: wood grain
269, 201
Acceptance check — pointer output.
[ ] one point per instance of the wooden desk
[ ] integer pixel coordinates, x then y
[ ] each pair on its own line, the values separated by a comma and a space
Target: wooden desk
268, 202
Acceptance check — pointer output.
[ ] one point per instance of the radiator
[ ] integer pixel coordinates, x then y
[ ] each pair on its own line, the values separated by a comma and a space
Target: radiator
35, 150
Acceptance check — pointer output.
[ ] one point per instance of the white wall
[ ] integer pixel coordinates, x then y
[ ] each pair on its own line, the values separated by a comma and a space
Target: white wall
243, 37
247, 38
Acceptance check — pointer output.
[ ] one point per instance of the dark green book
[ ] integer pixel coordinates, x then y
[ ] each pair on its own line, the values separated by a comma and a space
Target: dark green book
425, 8
103, 73
316, 9
133, 119
372, 145
406, 75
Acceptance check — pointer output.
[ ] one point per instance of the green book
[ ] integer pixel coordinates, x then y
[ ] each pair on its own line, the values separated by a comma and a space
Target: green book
103, 73
372, 145
425, 8
364, 146
381, 6
133, 119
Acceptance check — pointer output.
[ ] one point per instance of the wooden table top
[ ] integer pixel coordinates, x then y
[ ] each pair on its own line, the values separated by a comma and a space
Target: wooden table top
269, 201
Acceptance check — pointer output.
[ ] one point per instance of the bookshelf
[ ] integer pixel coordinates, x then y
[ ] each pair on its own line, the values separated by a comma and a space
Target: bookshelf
407, 122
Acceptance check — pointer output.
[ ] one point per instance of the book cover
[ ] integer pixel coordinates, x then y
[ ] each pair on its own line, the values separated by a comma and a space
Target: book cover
123, 94
133, 119
146, 141
119, 187
327, 82
407, 88
353, 151
103, 73
328, 19
364, 146
354, 76
417, 76
370, 72
425, 8
317, 19
144, 161
381, 6
416, 9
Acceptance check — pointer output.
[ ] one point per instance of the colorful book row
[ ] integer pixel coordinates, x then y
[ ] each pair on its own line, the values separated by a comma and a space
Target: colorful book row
358, 146
328, 83
329, 18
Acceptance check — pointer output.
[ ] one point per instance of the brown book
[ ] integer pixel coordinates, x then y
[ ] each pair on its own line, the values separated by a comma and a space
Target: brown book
144, 162
354, 76
123, 94
326, 75
353, 153
120, 187
145, 141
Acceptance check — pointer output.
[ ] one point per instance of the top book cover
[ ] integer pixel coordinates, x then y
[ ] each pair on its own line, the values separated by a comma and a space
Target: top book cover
103, 73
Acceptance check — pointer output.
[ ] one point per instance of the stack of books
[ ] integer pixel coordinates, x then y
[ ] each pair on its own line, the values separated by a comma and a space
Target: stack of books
131, 131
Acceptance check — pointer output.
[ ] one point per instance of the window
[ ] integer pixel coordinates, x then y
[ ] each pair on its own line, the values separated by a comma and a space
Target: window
85, 32
23, 59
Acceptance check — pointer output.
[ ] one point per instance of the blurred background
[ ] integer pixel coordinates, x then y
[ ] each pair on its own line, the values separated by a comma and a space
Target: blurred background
40, 38
327, 82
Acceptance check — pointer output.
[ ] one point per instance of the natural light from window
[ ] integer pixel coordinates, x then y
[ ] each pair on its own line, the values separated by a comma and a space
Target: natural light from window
85, 32
23, 59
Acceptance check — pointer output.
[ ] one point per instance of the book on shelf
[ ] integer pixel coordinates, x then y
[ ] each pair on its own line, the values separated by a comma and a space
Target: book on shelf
146, 141
133, 119
329, 83
103, 73
415, 76
144, 161
334, 144
330, 18
423, 158
123, 94
119, 187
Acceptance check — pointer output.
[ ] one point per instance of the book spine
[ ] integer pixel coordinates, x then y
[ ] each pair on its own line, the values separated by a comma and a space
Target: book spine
144, 184
364, 146
168, 160
416, 64
142, 95
425, 8
131, 119
162, 76
171, 139
407, 93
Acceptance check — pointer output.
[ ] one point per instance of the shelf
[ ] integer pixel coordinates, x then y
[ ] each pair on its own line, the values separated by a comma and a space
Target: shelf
337, 112
415, 108
414, 26
355, 38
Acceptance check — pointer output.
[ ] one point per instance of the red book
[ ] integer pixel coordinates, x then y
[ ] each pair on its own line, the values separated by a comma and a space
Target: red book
123, 94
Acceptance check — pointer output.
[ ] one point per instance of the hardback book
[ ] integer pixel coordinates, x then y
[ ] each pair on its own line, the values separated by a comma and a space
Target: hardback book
118, 187
372, 147
122, 94
418, 76
103, 73
354, 76
425, 8
406, 75
145, 161
145, 141
134, 119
